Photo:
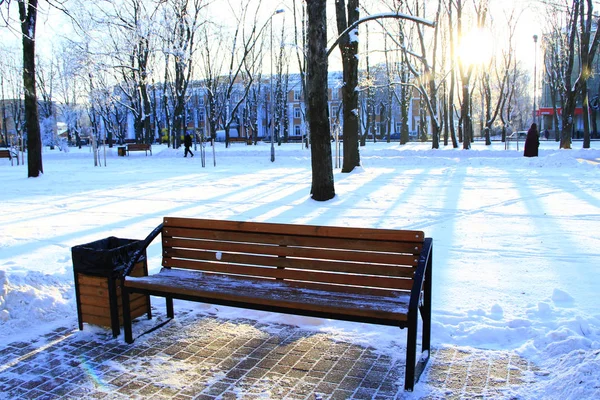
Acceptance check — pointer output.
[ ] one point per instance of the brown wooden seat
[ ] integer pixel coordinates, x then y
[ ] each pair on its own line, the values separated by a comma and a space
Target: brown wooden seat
139, 147
378, 276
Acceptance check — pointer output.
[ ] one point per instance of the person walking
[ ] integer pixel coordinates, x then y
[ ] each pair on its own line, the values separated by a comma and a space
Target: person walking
187, 142
532, 142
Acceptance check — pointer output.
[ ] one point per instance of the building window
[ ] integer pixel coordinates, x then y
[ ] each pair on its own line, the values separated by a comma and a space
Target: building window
297, 130
297, 96
335, 94
297, 113
334, 112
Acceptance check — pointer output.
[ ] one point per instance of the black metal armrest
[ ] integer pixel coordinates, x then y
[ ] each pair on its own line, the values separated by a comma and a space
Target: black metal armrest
142, 249
419, 278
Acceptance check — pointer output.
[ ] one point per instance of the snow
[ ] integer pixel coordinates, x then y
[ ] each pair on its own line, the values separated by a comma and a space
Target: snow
516, 260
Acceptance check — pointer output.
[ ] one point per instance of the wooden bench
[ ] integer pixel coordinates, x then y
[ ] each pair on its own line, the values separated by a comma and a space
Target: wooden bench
139, 147
6, 153
239, 140
377, 276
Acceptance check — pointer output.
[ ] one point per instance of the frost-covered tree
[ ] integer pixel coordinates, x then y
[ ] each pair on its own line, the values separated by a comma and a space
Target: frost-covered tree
181, 21
126, 41
11, 95
69, 88
28, 13
46, 80
228, 61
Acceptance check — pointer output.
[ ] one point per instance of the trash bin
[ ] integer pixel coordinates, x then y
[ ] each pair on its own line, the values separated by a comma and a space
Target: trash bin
97, 269
121, 151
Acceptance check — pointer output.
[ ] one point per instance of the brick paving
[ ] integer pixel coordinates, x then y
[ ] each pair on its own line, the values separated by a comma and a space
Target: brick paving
209, 358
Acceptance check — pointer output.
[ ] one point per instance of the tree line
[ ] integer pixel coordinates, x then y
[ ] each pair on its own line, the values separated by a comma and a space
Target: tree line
123, 51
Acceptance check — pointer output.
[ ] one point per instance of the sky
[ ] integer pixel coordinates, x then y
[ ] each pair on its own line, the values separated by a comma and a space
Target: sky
53, 24
516, 263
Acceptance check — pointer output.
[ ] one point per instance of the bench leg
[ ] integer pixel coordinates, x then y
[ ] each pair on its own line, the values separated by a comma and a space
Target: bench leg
149, 307
426, 310
114, 307
411, 355
126, 316
170, 313
414, 370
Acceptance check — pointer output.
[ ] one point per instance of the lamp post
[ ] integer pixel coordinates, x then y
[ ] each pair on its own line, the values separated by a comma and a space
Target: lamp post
271, 86
535, 38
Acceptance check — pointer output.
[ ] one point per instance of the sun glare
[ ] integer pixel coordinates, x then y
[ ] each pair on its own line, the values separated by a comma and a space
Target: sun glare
475, 47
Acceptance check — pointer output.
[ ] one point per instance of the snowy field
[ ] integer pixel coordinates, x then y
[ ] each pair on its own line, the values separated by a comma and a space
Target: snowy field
516, 240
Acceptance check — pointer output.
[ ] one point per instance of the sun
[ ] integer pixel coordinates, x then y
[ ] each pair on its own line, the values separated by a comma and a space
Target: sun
475, 47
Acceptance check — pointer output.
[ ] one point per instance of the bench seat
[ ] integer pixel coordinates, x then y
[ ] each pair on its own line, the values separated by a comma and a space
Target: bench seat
388, 310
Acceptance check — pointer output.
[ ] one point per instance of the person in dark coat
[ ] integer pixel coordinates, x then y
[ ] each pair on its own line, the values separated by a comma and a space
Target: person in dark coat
187, 142
532, 143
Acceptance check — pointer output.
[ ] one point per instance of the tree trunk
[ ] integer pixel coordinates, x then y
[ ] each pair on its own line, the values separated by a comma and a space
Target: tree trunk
450, 103
586, 116
317, 68
349, 49
465, 114
28, 14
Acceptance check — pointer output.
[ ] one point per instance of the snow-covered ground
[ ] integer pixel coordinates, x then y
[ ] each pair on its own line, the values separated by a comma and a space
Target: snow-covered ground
516, 240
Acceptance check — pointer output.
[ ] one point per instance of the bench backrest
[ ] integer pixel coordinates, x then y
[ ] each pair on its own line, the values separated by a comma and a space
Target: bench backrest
5, 154
138, 146
374, 261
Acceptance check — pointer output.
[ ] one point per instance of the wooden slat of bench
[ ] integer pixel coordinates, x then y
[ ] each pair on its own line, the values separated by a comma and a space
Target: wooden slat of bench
310, 264
138, 146
256, 291
296, 275
305, 230
293, 251
5, 154
293, 239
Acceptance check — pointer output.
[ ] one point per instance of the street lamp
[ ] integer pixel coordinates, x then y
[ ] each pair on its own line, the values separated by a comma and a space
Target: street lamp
271, 86
535, 38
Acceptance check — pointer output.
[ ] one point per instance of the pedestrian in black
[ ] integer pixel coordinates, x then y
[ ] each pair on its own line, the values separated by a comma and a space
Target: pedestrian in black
532, 143
187, 142
547, 134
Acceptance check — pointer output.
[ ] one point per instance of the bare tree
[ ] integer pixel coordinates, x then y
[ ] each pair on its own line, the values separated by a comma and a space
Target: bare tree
345, 17
131, 28
452, 74
322, 188
28, 13
228, 89
300, 46
11, 87
46, 80
69, 85
492, 107
554, 43
181, 23
583, 31
466, 70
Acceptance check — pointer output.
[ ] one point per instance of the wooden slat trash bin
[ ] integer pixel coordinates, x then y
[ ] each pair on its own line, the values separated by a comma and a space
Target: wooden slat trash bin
97, 269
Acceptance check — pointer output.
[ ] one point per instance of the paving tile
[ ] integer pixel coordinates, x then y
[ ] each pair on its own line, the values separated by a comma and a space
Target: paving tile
209, 358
